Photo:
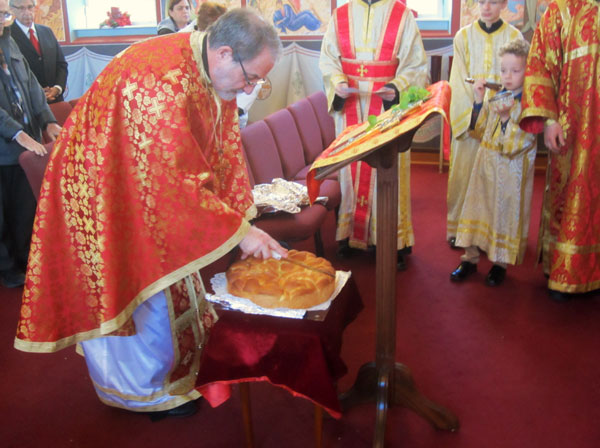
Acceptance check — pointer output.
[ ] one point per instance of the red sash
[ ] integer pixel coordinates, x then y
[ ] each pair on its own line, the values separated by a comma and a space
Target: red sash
379, 71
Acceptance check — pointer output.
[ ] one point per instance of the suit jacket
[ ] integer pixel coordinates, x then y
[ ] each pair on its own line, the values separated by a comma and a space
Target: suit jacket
51, 67
34, 103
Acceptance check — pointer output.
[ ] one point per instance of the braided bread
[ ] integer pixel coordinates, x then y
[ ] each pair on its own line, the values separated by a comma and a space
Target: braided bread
275, 283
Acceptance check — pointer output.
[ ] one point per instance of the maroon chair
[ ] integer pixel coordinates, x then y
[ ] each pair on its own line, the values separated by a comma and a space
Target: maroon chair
35, 167
265, 164
308, 127
261, 153
73, 102
318, 100
61, 111
287, 133
291, 152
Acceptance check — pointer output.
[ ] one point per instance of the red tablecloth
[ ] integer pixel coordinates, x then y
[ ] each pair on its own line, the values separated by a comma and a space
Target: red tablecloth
300, 355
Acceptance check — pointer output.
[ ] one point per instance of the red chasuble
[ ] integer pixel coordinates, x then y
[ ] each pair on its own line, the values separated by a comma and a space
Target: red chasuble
562, 83
146, 185
378, 71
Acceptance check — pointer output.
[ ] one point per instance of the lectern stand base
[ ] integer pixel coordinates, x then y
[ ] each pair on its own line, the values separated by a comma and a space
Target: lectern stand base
402, 392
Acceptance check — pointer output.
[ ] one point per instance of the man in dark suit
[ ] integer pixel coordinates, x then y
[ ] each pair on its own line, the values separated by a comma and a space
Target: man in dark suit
24, 113
40, 47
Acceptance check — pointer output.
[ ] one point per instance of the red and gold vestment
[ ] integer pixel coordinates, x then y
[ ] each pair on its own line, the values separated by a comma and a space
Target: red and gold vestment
146, 185
563, 83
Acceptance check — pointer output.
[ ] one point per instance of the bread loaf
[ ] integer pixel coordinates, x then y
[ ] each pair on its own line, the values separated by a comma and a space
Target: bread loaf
275, 283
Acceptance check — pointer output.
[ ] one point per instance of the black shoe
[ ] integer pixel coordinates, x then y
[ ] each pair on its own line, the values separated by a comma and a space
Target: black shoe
345, 251
452, 242
185, 410
464, 269
406, 250
12, 278
558, 296
401, 262
495, 276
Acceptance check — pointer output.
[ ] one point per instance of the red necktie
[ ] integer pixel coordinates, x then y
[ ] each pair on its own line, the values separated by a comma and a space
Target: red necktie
34, 41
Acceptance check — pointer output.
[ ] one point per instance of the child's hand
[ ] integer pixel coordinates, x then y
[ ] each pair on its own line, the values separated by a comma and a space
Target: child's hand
479, 90
504, 112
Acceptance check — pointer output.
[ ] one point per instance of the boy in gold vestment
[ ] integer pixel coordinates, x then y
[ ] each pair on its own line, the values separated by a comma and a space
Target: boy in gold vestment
496, 211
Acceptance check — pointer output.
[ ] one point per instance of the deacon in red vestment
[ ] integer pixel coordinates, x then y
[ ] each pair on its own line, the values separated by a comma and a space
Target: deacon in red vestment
561, 97
146, 185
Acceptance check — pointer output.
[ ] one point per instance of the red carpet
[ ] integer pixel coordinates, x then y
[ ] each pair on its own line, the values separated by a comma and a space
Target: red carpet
516, 368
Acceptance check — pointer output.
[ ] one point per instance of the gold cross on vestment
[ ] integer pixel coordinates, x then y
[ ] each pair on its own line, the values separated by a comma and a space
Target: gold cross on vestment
156, 108
145, 142
128, 90
362, 70
173, 75
362, 201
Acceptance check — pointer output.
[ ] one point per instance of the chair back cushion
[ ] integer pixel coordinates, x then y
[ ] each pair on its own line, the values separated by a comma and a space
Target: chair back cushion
287, 137
35, 167
318, 100
61, 111
261, 152
308, 128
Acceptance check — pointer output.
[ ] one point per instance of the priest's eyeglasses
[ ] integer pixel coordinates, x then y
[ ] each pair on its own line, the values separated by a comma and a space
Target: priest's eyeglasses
6, 15
257, 82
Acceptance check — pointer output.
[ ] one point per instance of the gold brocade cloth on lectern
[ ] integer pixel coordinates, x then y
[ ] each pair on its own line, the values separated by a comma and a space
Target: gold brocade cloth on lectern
357, 141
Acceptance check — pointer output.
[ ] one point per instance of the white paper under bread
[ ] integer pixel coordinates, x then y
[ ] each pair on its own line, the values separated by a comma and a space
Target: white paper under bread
221, 296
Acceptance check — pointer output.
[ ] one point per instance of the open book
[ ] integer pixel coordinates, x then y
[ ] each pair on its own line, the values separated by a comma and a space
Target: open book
358, 141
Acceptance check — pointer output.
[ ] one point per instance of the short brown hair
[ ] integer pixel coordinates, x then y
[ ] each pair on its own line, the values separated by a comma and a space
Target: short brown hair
518, 47
208, 13
173, 3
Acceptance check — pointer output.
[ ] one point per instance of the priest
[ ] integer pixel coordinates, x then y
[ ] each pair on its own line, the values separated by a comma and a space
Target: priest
561, 98
146, 185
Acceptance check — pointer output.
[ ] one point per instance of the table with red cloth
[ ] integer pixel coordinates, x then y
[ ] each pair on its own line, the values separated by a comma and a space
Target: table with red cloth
300, 355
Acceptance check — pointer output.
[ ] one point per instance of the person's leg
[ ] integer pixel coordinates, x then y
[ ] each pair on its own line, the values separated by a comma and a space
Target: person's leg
5, 260
132, 372
496, 275
22, 209
15, 228
467, 266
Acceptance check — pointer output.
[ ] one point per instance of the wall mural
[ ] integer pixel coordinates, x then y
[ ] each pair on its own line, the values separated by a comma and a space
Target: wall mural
295, 17
50, 13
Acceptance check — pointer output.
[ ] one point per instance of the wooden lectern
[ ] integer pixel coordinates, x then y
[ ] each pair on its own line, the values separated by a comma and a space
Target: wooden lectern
385, 381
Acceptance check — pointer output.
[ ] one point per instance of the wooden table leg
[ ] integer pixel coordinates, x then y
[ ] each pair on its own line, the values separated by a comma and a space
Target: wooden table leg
247, 414
318, 426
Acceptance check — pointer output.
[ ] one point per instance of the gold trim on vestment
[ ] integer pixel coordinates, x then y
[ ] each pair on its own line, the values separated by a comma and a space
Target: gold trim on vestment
538, 112
108, 327
175, 402
579, 53
365, 62
573, 289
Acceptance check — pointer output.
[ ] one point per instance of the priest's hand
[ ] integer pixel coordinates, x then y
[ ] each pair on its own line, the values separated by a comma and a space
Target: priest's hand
386, 93
554, 137
53, 130
259, 244
30, 144
342, 90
